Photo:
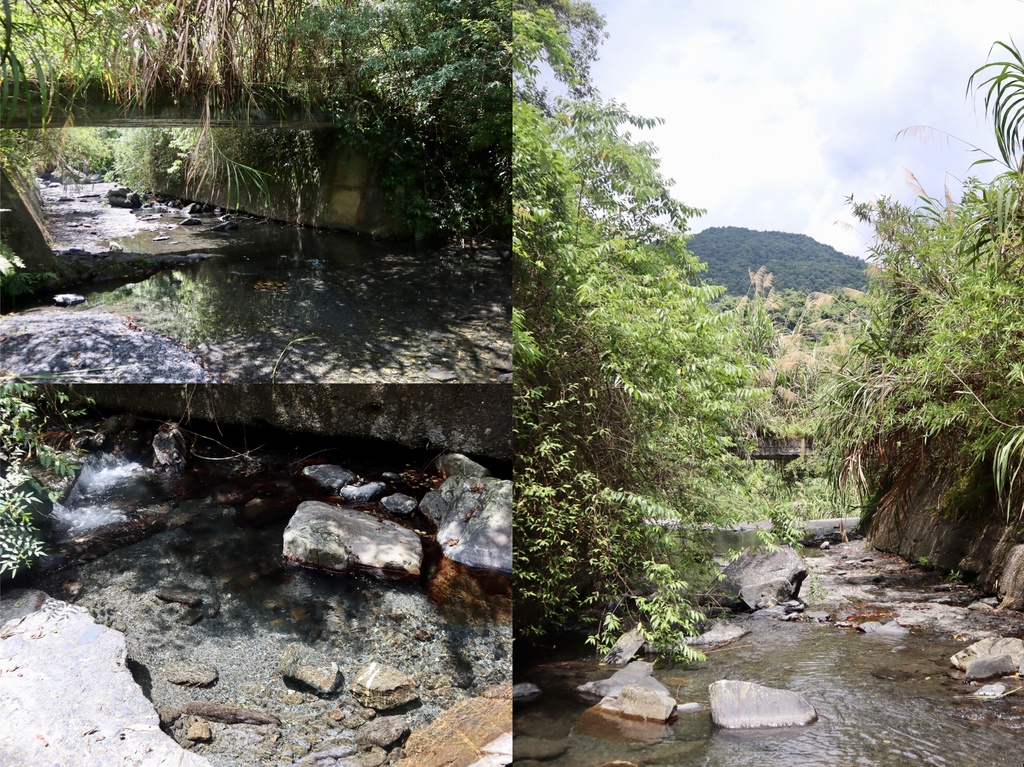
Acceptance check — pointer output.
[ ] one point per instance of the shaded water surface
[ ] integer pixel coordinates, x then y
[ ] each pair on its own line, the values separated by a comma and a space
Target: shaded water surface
880, 702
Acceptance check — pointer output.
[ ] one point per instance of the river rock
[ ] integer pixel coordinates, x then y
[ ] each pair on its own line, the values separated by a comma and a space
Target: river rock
17, 603
639, 702
458, 465
169, 450
764, 579
382, 687
992, 646
384, 731
190, 221
991, 690
399, 504
190, 674
65, 660
329, 477
742, 705
989, 666
295, 665
340, 539
68, 299
625, 647
540, 749
226, 226
721, 632
474, 521
461, 736
892, 628
636, 673
123, 197
524, 693
367, 493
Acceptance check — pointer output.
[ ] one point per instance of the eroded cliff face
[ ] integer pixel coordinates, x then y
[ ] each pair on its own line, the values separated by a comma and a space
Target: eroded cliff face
475, 419
935, 519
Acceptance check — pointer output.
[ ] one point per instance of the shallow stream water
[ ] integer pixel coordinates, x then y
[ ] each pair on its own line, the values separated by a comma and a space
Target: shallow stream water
882, 701
274, 302
129, 534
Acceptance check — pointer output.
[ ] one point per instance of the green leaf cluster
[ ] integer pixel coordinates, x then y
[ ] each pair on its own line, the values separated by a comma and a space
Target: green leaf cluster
629, 383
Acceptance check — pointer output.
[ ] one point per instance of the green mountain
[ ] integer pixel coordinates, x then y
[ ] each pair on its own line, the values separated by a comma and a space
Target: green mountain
797, 261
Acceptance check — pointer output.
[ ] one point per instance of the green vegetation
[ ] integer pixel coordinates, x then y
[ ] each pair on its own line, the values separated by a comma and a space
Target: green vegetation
630, 385
930, 395
424, 87
28, 416
797, 262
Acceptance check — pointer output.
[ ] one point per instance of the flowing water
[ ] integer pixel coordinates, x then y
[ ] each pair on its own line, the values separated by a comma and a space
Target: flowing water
880, 702
273, 302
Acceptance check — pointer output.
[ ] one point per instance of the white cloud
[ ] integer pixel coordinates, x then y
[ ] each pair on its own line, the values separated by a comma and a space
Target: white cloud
776, 112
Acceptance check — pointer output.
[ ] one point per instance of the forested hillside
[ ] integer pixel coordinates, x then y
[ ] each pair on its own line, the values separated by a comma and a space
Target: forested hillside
798, 262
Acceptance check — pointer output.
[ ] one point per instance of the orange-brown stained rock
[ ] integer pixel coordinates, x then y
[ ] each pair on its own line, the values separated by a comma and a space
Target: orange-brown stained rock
596, 723
455, 738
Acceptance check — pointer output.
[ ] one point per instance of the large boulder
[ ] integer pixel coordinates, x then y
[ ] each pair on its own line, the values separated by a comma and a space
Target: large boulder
638, 673
340, 539
990, 647
764, 579
639, 702
65, 660
742, 705
474, 521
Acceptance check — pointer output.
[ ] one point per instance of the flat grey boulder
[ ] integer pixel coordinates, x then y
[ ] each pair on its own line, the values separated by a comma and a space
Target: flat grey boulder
764, 579
992, 646
371, 491
458, 465
639, 702
399, 504
636, 673
474, 521
721, 632
892, 628
341, 540
625, 647
524, 693
989, 667
64, 659
743, 705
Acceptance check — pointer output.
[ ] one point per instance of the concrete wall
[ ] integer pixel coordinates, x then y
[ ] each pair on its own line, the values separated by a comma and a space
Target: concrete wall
341, 192
472, 418
21, 222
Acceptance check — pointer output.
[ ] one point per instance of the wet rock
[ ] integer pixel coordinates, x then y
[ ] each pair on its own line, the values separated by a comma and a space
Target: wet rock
169, 450
330, 750
190, 674
295, 666
363, 493
180, 594
524, 693
399, 504
383, 732
218, 712
68, 299
742, 705
339, 539
764, 579
989, 666
226, 226
892, 628
190, 221
636, 673
991, 690
460, 735
721, 632
625, 647
688, 708
123, 197
64, 659
329, 477
598, 724
640, 702
991, 646
474, 521
458, 465
382, 687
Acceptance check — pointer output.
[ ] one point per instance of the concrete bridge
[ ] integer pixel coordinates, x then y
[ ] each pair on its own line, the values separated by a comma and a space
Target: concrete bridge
785, 449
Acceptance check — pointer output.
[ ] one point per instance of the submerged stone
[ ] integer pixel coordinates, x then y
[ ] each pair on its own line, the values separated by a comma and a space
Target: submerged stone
989, 666
743, 705
383, 687
991, 646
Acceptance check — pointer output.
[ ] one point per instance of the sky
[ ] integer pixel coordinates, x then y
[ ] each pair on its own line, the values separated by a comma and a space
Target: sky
776, 111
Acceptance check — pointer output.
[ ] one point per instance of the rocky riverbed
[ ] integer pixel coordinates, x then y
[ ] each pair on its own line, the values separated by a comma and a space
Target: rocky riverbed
866, 645
245, 657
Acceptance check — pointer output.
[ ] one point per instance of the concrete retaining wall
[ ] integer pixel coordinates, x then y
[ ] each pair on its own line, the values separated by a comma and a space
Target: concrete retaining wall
21, 222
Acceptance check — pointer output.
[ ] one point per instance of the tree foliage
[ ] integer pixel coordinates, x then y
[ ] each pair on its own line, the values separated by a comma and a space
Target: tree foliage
628, 383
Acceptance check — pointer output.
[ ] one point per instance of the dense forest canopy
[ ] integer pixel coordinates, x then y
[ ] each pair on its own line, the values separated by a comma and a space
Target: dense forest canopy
425, 86
797, 261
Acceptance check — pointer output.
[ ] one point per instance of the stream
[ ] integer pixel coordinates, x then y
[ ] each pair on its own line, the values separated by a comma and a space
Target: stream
273, 302
881, 700
128, 539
